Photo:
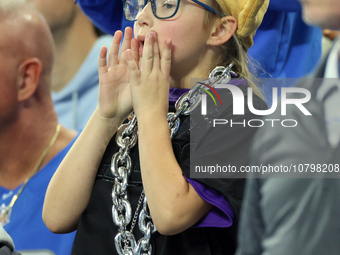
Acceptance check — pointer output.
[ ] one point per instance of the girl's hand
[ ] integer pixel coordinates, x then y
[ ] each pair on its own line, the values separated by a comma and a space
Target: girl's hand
150, 85
114, 78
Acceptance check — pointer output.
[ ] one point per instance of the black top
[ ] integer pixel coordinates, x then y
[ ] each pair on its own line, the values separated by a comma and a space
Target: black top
96, 230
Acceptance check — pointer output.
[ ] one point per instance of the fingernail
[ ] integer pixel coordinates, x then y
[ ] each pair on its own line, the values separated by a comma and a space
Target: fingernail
149, 35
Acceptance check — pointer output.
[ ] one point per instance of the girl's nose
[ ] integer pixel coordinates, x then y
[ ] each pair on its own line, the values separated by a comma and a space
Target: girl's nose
145, 17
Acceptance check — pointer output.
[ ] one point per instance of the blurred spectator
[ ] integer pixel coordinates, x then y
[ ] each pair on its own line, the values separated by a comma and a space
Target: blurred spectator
300, 216
32, 142
75, 75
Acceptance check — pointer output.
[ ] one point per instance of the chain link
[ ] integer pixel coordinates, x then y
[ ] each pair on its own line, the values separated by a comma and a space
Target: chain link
121, 210
126, 138
135, 216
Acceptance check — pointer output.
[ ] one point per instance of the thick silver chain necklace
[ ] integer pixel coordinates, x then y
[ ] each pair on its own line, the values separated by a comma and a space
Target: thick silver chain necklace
126, 138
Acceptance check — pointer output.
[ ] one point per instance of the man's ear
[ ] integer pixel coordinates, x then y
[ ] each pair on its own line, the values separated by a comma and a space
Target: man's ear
222, 30
28, 80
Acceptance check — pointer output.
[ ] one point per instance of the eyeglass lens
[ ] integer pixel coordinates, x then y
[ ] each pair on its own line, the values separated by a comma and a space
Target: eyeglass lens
160, 8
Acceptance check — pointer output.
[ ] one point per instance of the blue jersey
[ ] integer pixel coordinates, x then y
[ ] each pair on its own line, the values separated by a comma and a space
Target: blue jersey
26, 227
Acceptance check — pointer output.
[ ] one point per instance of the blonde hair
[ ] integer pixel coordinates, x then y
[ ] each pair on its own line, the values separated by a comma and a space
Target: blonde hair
234, 51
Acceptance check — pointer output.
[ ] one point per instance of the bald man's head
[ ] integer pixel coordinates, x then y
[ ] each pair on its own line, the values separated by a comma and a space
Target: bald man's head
25, 35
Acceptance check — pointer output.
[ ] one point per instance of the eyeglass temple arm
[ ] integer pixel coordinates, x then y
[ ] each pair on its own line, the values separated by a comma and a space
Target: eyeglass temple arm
209, 8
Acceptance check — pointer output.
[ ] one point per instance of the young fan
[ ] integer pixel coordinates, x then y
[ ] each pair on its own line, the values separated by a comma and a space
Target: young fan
108, 198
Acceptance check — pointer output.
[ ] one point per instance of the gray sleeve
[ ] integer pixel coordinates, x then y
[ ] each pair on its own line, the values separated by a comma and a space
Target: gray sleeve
5, 239
251, 227
6, 243
6, 251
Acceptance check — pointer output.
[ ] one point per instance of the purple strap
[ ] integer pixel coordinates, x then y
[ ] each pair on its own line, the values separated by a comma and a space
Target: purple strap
174, 94
221, 215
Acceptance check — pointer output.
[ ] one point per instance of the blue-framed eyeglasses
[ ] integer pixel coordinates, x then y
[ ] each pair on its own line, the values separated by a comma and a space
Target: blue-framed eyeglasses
162, 9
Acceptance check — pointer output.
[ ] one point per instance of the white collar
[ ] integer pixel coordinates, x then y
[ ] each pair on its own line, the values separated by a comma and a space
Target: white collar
331, 71
332, 65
